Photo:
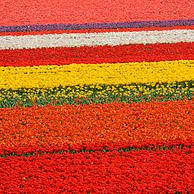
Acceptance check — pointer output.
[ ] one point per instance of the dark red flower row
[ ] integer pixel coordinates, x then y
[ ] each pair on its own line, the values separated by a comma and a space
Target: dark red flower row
99, 54
98, 172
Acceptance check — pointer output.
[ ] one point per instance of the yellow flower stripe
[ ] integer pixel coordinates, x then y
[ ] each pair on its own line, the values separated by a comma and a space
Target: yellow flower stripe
102, 91
80, 74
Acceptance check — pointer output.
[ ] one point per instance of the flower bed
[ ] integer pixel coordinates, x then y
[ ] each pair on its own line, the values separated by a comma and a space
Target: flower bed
96, 97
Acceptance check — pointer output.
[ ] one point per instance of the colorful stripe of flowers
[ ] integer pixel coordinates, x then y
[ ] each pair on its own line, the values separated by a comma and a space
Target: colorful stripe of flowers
96, 97
88, 26
95, 39
32, 127
58, 12
99, 54
96, 94
74, 74
95, 172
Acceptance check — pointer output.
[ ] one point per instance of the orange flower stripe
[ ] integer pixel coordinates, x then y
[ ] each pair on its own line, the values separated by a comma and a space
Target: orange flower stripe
90, 124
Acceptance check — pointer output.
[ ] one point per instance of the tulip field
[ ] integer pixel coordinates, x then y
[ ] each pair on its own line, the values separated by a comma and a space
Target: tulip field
96, 97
